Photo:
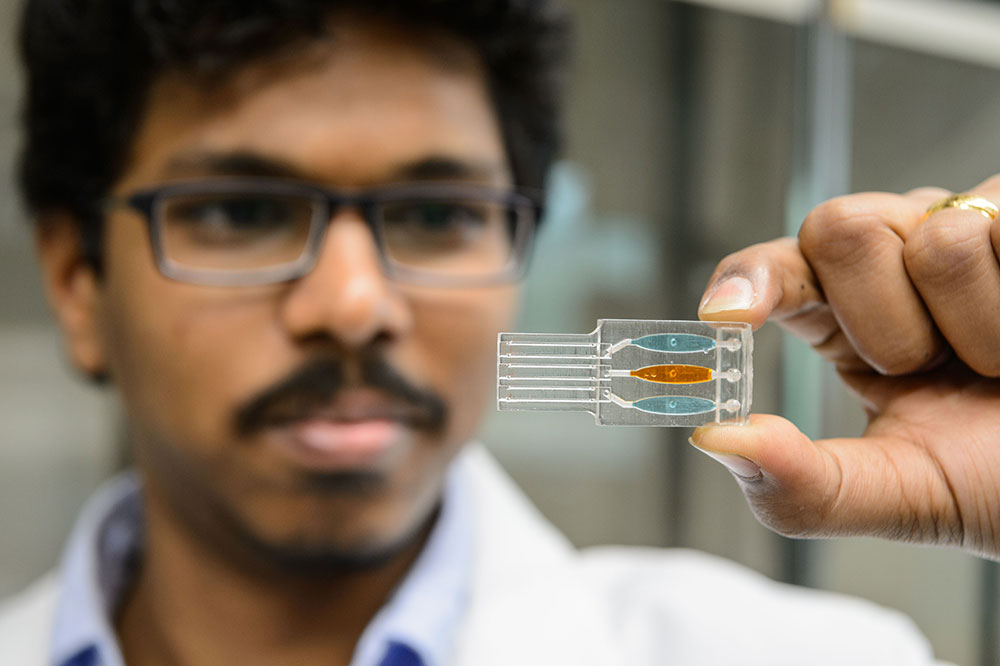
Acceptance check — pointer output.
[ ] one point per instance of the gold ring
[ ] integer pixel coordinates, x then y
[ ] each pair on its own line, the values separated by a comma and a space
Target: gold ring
964, 201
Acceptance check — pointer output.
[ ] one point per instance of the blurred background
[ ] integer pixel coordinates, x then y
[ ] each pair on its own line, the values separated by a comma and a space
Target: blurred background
695, 129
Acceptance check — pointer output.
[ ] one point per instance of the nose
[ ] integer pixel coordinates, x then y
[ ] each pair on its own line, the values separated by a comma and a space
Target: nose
346, 296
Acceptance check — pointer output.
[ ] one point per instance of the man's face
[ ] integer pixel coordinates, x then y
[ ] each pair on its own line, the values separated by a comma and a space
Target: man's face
354, 476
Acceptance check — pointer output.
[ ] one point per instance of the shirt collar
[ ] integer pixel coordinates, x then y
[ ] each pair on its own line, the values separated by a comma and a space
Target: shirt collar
106, 543
96, 569
427, 607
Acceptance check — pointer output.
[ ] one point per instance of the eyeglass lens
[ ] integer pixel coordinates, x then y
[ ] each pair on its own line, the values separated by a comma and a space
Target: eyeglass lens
235, 232
243, 231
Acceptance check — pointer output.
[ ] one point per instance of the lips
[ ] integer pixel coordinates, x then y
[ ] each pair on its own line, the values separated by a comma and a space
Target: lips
343, 445
359, 429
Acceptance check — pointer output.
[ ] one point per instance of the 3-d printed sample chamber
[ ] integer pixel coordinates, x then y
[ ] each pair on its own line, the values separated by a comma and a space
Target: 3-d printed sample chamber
632, 372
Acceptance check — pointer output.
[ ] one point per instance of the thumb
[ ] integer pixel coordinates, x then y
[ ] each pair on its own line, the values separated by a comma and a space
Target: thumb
874, 486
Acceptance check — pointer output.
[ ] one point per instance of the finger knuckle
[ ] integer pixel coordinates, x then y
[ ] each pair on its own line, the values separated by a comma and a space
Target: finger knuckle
842, 232
945, 250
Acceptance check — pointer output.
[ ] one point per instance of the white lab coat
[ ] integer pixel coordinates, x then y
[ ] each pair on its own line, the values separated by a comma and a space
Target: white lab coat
537, 601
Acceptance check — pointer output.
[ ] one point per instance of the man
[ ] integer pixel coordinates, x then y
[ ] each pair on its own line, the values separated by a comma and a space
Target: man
287, 233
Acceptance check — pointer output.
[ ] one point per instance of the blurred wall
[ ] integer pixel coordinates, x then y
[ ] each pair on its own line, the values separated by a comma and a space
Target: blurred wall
56, 435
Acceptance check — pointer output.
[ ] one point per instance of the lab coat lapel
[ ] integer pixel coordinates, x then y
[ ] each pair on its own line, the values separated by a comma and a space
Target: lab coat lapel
529, 604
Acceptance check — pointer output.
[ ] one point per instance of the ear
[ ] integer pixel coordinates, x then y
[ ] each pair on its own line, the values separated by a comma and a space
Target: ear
73, 290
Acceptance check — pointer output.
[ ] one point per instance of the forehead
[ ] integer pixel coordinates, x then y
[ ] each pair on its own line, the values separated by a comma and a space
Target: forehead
357, 104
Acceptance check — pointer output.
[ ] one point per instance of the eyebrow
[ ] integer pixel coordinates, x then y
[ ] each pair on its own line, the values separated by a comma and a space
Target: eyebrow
442, 167
251, 164
237, 163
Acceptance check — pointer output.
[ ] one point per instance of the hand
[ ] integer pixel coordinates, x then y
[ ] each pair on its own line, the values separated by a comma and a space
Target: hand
909, 313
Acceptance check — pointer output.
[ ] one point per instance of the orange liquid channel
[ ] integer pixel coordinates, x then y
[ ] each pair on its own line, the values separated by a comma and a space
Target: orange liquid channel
674, 374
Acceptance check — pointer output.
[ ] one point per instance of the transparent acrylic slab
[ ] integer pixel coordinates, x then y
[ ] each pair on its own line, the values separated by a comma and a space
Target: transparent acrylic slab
632, 372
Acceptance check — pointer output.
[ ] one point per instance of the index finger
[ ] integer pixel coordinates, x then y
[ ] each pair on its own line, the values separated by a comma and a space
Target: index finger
769, 281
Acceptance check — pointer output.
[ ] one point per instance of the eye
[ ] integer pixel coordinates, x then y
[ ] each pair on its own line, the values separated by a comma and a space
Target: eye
230, 219
437, 216
447, 236
437, 226
235, 214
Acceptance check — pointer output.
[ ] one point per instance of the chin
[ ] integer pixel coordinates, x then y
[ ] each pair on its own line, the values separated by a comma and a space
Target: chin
307, 523
306, 558
334, 536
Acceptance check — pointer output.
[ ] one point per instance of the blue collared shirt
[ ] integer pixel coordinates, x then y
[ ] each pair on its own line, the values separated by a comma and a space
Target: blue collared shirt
105, 549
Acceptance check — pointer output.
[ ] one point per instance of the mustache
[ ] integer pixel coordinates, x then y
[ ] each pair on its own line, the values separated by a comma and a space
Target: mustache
315, 386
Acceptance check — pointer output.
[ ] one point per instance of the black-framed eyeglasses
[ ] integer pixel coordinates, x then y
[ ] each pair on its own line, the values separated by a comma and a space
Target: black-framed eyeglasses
252, 231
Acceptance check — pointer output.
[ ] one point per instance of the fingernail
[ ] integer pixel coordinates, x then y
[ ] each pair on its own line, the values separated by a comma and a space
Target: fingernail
735, 293
738, 465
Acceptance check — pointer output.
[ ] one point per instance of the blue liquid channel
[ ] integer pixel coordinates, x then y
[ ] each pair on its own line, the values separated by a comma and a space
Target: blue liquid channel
676, 405
675, 342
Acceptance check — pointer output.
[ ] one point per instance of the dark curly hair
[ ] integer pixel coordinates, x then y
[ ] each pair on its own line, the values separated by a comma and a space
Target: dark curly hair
90, 64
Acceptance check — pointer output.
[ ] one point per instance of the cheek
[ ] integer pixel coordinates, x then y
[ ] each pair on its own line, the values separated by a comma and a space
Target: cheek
182, 356
457, 336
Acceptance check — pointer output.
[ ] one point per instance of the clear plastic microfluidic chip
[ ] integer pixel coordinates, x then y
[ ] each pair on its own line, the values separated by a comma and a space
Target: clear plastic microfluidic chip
632, 372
